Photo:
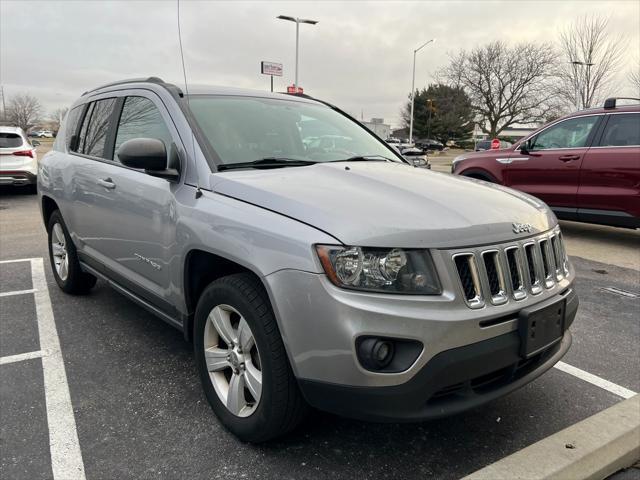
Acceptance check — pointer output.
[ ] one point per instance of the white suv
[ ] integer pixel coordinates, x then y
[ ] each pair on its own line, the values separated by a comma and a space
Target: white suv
18, 158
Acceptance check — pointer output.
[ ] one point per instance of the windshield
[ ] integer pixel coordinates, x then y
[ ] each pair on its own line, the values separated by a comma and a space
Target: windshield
248, 129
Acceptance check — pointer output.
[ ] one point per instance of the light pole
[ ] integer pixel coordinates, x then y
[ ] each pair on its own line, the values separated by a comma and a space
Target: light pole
575, 64
297, 21
413, 86
429, 118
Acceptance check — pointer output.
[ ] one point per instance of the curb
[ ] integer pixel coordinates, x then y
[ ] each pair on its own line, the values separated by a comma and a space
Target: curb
591, 449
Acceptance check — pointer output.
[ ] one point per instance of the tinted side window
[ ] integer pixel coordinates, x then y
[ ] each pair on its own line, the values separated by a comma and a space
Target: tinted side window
140, 118
622, 130
71, 124
79, 147
96, 131
571, 133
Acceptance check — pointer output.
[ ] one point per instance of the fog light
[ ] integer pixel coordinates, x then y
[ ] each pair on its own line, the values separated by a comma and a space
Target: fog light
382, 352
387, 355
375, 353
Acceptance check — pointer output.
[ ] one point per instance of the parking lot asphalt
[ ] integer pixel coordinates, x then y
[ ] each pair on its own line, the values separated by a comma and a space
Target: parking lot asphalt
140, 412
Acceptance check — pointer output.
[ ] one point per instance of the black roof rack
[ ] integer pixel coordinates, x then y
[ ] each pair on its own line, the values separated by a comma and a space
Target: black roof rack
610, 103
157, 80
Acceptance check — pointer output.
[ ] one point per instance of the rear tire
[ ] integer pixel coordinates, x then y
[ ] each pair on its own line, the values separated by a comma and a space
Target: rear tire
279, 406
64, 259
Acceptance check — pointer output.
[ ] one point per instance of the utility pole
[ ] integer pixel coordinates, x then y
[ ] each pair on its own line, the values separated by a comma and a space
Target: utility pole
429, 118
413, 86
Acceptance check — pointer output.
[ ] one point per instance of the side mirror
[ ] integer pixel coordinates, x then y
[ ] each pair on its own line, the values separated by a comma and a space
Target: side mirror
525, 148
148, 154
35, 143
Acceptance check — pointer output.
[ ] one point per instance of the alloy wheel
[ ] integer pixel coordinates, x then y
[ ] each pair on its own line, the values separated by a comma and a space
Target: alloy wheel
59, 252
233, 360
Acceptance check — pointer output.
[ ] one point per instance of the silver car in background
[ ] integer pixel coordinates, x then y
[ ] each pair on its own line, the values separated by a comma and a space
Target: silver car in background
308, 263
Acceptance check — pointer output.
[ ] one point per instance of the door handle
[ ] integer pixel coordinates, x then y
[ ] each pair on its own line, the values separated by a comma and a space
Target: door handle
107, 183
568, 158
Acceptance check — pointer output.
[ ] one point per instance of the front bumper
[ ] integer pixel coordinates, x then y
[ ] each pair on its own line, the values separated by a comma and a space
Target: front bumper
453, 381
17, 177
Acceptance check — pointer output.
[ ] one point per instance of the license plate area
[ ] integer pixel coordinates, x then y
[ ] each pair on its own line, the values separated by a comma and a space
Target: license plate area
540, 328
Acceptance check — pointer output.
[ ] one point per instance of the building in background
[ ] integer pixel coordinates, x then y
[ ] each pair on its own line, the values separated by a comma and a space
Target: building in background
377, 126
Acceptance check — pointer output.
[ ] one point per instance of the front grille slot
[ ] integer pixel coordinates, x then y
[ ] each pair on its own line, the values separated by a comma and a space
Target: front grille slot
545, 258
548, 266
531, 263
495, 277
490, 263
557, 255
515, 264
469, 280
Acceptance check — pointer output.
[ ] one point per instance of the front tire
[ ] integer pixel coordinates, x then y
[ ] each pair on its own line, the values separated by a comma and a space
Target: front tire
242, 362
64, 259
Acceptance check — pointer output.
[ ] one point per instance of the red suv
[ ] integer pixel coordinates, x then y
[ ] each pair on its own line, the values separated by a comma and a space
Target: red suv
585, 166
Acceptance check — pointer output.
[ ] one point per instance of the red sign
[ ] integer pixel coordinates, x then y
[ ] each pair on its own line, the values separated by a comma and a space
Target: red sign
495, 144
292, 89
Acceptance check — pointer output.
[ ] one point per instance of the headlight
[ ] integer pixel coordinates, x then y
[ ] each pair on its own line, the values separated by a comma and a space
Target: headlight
389, 270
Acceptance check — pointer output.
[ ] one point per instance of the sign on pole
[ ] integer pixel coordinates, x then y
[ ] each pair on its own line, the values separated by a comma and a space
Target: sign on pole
270, 68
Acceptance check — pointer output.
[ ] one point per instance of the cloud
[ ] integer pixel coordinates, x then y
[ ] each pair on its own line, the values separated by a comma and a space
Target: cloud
359, 55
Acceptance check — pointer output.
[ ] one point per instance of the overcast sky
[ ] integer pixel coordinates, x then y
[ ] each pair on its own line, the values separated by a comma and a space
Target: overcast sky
358, 56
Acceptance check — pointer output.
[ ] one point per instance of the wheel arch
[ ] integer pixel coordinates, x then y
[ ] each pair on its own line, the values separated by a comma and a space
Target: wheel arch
480, 174
202, 267
48, 206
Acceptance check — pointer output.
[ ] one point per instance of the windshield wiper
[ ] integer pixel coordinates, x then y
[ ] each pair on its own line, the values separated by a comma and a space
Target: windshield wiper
365, 158
269, 162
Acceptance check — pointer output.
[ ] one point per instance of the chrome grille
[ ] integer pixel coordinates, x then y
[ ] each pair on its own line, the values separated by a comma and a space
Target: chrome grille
469, 279
514, 270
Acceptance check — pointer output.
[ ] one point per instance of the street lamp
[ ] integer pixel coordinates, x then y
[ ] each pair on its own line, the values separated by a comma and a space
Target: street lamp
413, 85
576, 63
298, 21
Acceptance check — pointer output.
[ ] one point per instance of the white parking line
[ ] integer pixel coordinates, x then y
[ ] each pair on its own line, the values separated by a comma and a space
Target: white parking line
22, 356
16, 292
17, 260
595, 380
66, 457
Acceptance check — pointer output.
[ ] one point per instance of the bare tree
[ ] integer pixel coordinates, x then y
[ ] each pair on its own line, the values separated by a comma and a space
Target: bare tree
57, 116
634, 76
591, 59
23, 110
507, 85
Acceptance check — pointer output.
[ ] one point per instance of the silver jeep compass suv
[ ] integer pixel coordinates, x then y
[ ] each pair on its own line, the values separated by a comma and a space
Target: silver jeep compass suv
306, 260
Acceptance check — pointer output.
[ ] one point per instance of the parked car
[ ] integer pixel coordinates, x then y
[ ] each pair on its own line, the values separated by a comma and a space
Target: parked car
429, 144
18, 158
416, 157
494, 144
585, 166
42, 134
334, 276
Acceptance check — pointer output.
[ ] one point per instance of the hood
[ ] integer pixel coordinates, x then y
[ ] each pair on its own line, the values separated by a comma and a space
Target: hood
382, 204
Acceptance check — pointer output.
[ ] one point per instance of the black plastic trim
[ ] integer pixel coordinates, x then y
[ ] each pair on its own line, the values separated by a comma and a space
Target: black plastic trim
149, 300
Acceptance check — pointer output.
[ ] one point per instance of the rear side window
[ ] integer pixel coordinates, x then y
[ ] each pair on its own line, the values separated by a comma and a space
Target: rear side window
97, 127
71, 125
622, 130
10, 140
140, 118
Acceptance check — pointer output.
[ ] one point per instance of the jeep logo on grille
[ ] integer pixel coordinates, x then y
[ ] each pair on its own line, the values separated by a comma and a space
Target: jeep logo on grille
521, 227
